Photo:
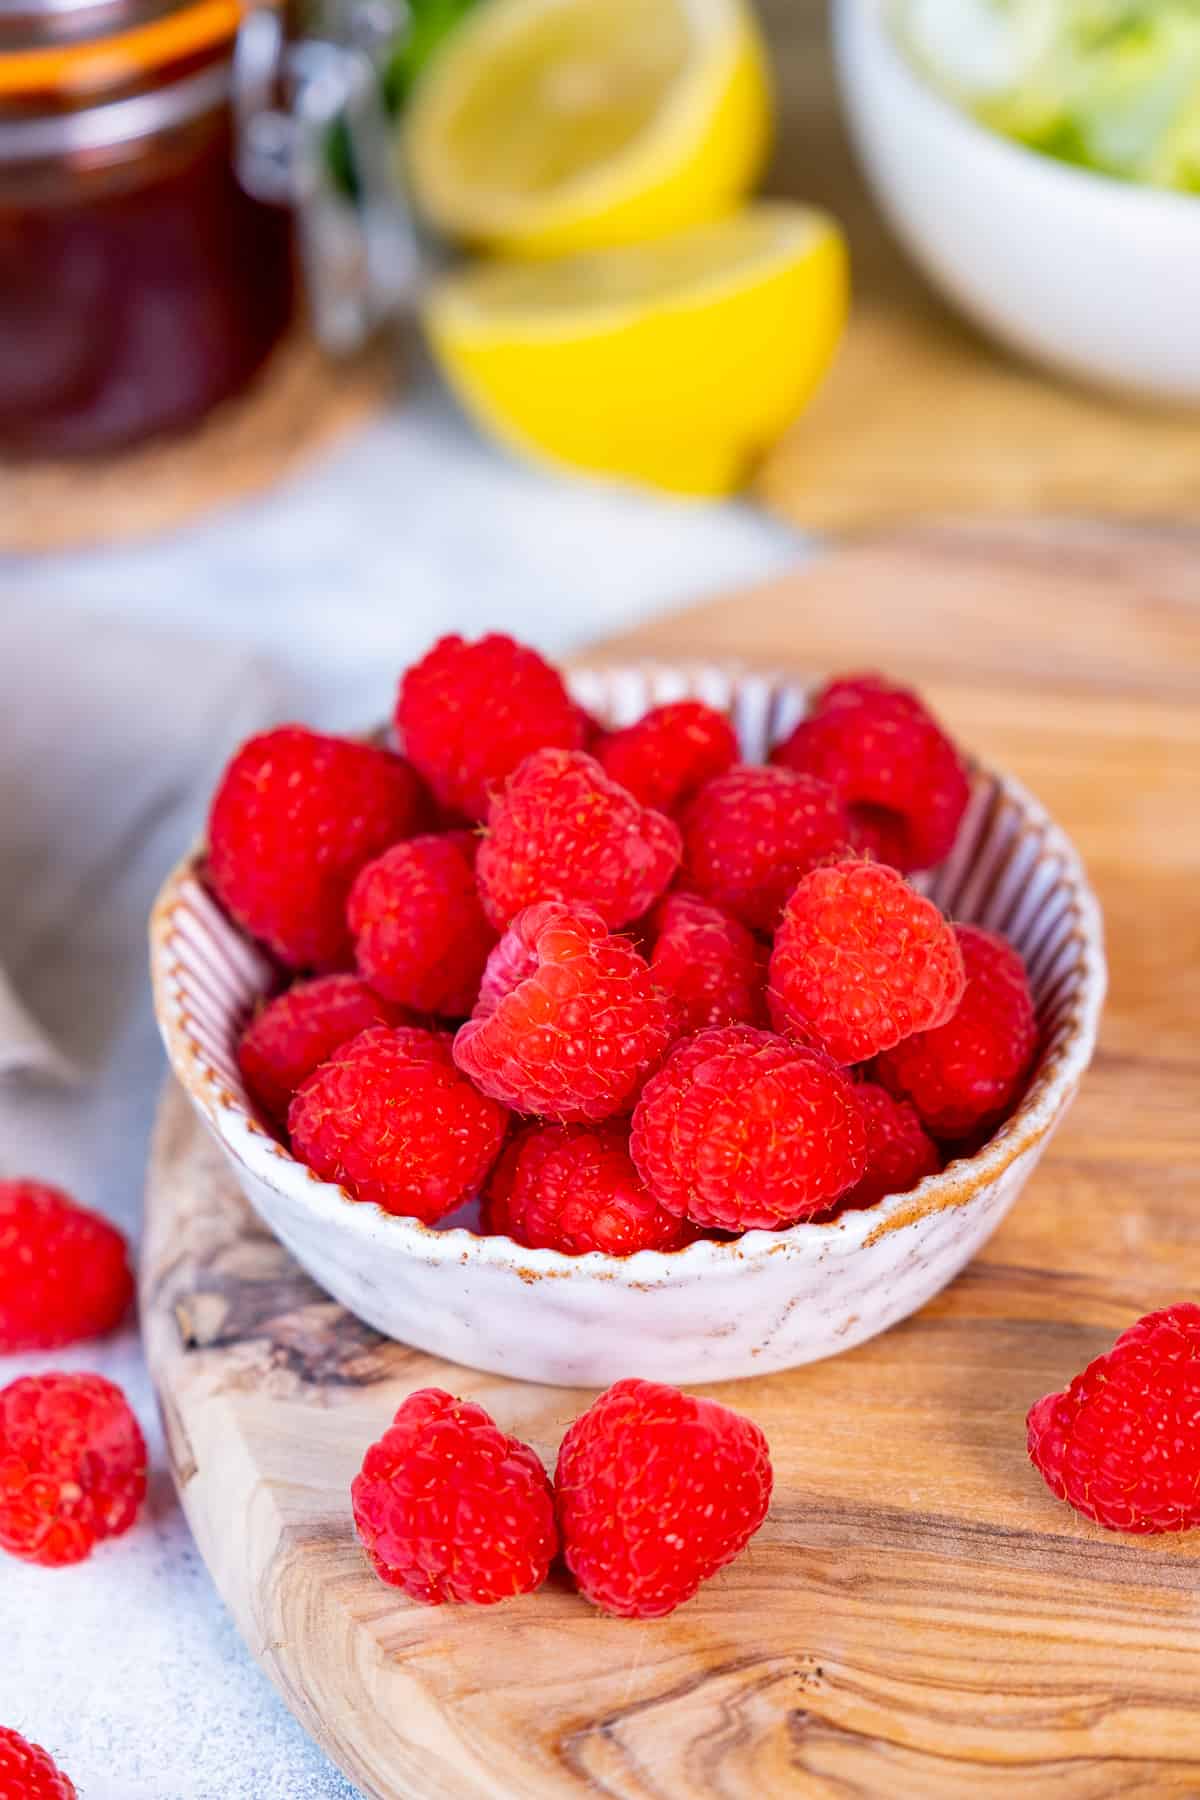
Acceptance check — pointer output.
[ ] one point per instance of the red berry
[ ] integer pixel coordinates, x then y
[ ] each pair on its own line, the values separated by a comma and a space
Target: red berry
27, 1772
295, 817
900, 1153
299, 1030
573, 1188
449, 1508
420, 936
669, 753
468, 714
751, 833
897, 773
713, 968
569, 1021
861, 960
744, 1130
656, 1491
563, 830
64, 1271
1120, 1444
391, 1119
967, 1072
72, 1467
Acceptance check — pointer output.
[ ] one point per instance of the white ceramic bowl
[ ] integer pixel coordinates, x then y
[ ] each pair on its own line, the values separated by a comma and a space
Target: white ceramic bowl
714, 1311
1095, 276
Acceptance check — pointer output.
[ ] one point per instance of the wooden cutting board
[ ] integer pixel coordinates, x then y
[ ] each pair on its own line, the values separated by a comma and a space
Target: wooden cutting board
918, 1617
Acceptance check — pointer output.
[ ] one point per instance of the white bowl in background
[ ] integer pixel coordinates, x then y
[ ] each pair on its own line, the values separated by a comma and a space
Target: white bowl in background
714, 1311
1094, 276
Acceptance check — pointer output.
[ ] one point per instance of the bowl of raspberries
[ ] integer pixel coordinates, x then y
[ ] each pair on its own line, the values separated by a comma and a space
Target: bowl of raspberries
678, 1022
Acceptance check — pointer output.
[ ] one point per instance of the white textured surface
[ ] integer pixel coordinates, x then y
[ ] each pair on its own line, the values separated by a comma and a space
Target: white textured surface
129, 1668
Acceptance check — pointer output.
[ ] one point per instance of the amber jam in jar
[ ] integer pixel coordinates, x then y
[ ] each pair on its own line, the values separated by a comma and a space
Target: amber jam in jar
139, 284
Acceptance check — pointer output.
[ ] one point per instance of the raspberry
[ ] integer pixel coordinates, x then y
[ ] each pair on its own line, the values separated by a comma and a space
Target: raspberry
899, 1151
656, 1491
1120, 1444
64, 1271
420, 936
299, 1030
713, 968
743, 1130
449, 1508
967, 1072
897, 773
563, 830
568, 1022
751, 833
390, 1119
861, 961
669, 753
27, 1772
295, 817
72, 1467
468, 714
573, 1188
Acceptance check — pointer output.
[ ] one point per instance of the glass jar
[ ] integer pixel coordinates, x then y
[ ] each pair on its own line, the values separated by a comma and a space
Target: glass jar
148, 182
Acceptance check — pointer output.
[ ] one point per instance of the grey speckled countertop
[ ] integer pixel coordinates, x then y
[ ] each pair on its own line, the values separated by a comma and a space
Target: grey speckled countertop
128, 1668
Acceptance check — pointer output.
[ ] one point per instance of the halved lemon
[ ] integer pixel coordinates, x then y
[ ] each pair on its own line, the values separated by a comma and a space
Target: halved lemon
549, 126
673, 364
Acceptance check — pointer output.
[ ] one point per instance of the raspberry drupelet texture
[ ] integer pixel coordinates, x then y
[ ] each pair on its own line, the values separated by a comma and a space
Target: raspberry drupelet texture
27, 1772
468, 714
656, 1491
569, 1021
967, 1073
751, 833
744, 1131
420, 935
900, 1152
295, 817
669, 753
573, 1188
860, 961
713, 967
299, 1030
72, 1467
564, 830
392, 1120
1120, 1444
449, 1508
899, 776
64, 1271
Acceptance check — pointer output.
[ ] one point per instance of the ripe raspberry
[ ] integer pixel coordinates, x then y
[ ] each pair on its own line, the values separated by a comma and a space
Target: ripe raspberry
751, 833
573, 1188
743, 1130
860, 961
295, 817
1120, 1444
64, 1271
899, 1151
568, 1022
563, 830
656, 1491
390, 1119
894, 769
420, 936
967, 1072
449, 1508
27, 1772
72, 1467
467, 714
299, 1030
713, 968
670, 752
